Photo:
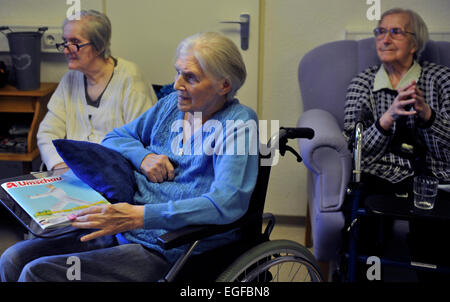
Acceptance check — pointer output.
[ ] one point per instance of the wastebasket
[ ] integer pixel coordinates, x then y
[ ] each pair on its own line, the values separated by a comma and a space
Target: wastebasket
25, 51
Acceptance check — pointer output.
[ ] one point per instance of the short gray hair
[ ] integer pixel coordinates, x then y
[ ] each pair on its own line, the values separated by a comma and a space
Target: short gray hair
97, 29
418, 27
218, 56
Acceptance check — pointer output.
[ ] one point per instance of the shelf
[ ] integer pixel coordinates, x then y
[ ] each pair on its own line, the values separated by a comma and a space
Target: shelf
20, 156
44, 90
35, 102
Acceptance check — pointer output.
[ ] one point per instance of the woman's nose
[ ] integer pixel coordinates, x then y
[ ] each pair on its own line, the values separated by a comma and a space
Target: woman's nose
177, 85
387, 37
67, 51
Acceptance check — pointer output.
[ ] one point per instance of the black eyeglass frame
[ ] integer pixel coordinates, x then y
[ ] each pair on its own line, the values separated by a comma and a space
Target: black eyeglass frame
67, 44
392, 32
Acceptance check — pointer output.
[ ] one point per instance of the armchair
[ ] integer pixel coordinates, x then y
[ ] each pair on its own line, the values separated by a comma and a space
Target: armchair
324, 74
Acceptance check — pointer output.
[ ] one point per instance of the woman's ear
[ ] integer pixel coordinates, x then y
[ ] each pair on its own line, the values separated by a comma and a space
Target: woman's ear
413, 48
100, 52
224, 87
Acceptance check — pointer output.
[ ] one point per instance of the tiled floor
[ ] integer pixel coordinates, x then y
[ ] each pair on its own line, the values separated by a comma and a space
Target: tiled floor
294, 232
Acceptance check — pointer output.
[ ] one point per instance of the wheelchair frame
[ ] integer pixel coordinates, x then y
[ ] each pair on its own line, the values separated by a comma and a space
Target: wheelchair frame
264, 254
354, 189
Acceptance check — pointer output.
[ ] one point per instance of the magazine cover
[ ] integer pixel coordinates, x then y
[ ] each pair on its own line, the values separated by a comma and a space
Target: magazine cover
50, 200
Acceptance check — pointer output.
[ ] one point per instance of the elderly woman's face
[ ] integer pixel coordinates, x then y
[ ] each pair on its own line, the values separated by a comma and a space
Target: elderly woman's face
400, 50
198, 91
73, 34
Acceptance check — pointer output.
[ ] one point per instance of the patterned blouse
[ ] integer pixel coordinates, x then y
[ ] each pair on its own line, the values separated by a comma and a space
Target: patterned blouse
378, 156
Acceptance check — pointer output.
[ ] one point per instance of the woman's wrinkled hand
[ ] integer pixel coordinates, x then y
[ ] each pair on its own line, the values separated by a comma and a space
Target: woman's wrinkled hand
404, 101
409, 101
157, 168
420, 106
61, 165
109, 219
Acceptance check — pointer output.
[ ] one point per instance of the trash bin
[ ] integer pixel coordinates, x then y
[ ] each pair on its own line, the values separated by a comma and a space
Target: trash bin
25, 51
3, 74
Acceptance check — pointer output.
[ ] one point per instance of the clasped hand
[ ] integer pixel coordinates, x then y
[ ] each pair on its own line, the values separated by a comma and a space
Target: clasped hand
410, 95
409, 101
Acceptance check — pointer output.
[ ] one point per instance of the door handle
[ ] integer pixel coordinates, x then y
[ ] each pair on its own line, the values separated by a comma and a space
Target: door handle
245, 29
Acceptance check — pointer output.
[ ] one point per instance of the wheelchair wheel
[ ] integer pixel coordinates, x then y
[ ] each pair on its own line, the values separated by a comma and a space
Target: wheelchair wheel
274, 261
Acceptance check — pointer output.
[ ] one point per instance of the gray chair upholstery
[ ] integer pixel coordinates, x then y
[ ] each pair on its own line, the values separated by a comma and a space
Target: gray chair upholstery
324, 74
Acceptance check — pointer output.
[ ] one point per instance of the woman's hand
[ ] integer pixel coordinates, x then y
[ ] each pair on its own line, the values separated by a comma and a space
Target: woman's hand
421, 107
61, 165
405, 100
109, 219
157, 168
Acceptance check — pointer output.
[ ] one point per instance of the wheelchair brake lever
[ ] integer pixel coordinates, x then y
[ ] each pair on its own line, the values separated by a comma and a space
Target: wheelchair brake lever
292, 150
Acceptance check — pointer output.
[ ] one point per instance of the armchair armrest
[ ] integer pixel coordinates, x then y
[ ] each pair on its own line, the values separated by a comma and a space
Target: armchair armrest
327, 157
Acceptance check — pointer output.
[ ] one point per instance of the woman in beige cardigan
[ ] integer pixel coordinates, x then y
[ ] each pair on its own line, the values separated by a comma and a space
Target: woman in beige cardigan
97, 94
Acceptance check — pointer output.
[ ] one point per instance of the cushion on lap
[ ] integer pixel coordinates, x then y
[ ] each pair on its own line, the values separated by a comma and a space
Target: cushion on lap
105, 170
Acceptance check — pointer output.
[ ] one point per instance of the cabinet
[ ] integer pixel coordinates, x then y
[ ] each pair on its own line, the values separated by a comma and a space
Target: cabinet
32, 104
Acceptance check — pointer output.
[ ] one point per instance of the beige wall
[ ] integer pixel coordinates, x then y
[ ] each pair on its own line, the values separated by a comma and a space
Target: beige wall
291, 28
43, 13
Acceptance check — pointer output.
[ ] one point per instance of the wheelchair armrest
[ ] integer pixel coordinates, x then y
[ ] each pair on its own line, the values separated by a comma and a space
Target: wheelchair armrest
191, 233
327, 157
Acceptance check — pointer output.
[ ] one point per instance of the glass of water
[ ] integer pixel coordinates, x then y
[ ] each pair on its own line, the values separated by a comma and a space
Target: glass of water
425, 191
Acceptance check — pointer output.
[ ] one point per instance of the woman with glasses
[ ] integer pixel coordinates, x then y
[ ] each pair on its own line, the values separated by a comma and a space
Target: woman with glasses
404, 105
99, 93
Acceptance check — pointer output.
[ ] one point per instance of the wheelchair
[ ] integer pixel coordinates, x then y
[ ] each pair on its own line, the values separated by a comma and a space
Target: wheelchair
253, 258
363, 205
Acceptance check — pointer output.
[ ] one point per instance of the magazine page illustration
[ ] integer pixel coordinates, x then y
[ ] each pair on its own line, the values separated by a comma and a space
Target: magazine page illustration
50, 200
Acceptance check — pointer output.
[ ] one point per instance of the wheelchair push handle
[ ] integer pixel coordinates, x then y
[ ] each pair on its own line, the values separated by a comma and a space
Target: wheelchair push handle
299, 132
293, 133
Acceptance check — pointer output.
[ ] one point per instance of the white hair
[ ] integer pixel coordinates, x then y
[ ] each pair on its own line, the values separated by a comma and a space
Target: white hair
218, 56
97, 29
417, 25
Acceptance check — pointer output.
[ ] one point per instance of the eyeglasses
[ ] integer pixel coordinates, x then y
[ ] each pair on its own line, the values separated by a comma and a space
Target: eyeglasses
395, 32
72, 47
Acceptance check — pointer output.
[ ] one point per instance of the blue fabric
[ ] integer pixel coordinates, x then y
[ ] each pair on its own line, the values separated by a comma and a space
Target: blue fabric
163, 90
105, 170
207, 189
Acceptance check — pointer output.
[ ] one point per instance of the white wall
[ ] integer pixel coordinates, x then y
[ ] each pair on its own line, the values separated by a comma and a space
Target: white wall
291, 29
148, 38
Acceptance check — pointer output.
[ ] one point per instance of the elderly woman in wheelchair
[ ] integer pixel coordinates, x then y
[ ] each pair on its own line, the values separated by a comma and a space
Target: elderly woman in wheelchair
404, 108
197, 152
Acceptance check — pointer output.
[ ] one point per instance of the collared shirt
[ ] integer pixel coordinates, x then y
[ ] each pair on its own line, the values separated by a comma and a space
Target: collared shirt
372, 93
382, 79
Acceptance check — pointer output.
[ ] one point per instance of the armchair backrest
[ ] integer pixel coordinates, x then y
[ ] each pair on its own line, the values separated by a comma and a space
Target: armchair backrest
325, 72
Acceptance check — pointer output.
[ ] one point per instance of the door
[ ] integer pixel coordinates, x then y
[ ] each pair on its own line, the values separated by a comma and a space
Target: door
147, 32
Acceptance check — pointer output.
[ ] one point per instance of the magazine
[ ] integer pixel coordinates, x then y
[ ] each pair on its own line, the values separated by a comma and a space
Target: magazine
51, 200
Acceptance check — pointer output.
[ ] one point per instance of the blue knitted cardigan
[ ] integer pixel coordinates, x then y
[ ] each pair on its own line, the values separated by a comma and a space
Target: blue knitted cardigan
214, 175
